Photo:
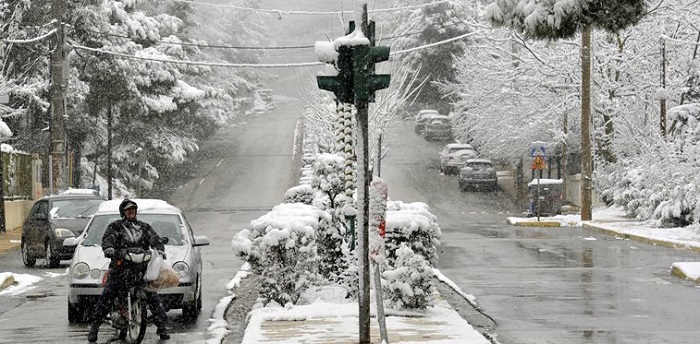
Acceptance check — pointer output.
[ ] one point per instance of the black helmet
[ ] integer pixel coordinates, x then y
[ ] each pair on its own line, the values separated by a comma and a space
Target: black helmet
126, 204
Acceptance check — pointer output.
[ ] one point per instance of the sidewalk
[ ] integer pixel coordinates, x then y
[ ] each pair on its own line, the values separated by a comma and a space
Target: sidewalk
333, 323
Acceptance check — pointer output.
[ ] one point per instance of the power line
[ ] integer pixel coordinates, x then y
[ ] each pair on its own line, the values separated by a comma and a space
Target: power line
262, 65
281, 12
30, 40
198, 63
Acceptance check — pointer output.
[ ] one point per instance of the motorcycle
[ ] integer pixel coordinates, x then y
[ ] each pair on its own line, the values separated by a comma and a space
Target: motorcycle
128, 315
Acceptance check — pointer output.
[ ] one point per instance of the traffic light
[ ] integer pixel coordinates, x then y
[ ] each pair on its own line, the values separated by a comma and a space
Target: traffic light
366, 82
342, 84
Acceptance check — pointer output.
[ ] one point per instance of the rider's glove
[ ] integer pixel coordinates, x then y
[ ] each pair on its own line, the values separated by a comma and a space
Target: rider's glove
109, 252
162, 254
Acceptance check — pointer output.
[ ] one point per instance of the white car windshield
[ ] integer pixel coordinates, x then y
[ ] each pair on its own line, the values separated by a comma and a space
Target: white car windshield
166, 225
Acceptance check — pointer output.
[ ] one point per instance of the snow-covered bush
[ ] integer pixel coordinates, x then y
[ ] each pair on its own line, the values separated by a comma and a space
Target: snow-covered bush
332, 246
280, 247
414, 225
660, 179
408, 284
303, 193
329, 177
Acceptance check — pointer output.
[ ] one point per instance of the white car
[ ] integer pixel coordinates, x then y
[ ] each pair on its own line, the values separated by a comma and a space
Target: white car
88, 266
454, 155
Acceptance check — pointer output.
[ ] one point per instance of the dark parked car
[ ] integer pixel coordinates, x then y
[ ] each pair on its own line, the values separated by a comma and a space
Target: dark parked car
52, 220
478, 173
422, 117
438, 127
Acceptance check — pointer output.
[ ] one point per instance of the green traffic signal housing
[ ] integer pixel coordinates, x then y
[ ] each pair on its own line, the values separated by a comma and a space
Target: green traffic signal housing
342, 84
366, 82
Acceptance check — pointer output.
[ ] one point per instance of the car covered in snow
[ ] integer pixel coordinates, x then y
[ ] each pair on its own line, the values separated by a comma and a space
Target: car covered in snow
88, 267
421, 119
438, 127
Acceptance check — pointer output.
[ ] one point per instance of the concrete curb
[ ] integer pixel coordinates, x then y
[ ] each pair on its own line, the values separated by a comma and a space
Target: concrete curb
538, 224
641, 238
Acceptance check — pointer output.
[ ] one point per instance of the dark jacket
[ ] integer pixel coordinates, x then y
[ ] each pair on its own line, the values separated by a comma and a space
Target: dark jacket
118, 236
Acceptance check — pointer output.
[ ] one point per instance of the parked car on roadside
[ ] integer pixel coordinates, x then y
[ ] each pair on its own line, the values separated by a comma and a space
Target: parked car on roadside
421, 118
53, 219
478, 174
453, 147
438, 127
455, 160
182, 251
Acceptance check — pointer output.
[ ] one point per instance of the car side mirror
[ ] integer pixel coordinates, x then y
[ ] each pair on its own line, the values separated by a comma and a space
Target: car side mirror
71, 242
201, 241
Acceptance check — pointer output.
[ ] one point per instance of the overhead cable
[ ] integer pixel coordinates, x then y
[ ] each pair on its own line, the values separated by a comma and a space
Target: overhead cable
199, 63
31, 40
281, 12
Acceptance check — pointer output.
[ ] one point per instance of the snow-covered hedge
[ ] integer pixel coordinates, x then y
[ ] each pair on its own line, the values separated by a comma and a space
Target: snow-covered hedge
414, 225
281, 247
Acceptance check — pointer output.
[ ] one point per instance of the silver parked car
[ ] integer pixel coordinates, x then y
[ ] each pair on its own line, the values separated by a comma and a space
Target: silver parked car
447, 156
88, 267
478, 174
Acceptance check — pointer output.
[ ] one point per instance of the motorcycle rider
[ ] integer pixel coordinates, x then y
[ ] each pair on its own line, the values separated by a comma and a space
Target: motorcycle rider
122, 234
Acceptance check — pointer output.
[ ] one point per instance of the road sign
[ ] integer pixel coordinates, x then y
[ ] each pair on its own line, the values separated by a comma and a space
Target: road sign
538, 163
4, 98
538, 148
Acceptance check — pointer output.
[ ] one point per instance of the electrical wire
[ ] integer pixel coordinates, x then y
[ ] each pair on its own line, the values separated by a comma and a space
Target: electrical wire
198, 63
281, 12
263, 65
31, 40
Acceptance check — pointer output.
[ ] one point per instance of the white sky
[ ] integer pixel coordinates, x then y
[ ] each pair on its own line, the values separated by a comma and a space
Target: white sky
329, 314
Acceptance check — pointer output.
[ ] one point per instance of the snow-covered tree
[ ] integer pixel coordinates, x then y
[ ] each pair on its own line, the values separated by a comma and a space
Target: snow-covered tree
424, 25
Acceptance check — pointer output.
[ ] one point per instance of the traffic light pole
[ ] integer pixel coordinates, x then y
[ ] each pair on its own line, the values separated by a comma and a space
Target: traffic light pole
356, 82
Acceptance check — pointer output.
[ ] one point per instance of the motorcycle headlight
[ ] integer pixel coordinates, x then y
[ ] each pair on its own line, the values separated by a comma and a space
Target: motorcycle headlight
81, 270
63, 232
181, 268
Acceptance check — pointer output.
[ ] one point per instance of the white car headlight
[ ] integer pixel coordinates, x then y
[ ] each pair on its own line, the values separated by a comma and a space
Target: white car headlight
81, 270
181, 268
63, 232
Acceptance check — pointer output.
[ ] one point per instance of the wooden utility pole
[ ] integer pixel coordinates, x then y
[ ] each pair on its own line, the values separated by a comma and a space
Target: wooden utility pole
586, 157
662, 101
57, 99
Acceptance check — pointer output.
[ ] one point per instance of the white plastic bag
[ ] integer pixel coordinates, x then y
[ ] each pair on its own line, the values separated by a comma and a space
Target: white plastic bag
153, 269
166, 279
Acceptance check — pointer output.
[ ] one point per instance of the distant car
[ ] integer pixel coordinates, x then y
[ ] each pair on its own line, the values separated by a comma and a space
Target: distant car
53, 219
88, 267
421, 118
478, 174
451, 148
455, 160
438, 127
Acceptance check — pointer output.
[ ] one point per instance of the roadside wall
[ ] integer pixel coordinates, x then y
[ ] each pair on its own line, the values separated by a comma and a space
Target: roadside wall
16, 212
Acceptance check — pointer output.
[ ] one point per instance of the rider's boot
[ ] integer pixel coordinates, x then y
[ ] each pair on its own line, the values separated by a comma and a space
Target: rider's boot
92, 335
163, 333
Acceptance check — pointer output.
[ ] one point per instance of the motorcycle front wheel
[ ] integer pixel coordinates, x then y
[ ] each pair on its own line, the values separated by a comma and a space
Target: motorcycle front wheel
136, 328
